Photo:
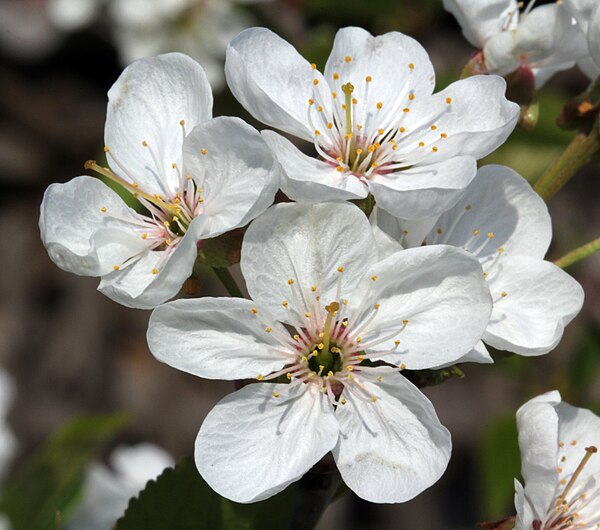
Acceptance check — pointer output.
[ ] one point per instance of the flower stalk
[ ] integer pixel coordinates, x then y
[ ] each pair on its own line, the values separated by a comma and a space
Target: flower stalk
578, 153
228, 282
578, 254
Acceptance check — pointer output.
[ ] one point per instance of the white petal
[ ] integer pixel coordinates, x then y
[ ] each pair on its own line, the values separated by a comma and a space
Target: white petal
386, 245
71, 213
525, 515
537, 423
147, 104
238, 174
216, 338
70, 15
252, 445
589, 67
593, 37
479, 354
309, 179
582, 427
140, 463
481, 19
307, 244
477, 120
407, 233
500, 202
356, 54
423, 190
499, 53
138, 286
392, 449
539, 300
440, 290
273, 81
581, 11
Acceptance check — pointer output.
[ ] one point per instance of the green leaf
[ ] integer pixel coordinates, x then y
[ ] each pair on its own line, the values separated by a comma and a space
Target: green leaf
50, 481
179, 498
499, 464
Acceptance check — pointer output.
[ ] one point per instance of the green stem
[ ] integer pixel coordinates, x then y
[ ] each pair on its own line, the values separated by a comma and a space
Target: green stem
228, 282
578, 254
577, 154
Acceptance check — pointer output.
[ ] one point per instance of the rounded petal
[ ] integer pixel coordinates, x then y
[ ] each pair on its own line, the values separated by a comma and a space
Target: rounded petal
216, 338
308, 179
273, 81
392, 449
146, 105
293, 247
474, 114
252, 445
409, 233
137, 285
230, 161
479, 354
72, 213
533, 302
502, 203
481, 20
537, 423
433, 300
395, 63
423, 190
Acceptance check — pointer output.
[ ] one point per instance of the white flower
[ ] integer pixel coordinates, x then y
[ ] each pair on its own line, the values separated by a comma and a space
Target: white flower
8, 441
197, 177
587, 14
372, 118
314, 270
106, 492
544, 40
559, 466
506, 225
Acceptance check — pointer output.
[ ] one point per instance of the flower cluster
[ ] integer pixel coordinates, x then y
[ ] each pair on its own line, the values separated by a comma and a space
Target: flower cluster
340, 305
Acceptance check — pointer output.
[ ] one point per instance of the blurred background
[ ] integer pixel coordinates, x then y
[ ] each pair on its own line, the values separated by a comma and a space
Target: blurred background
70, 350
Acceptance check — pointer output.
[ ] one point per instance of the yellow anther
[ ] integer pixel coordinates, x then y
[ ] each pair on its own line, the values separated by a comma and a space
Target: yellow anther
336, 76
296, 337
374, 277
345, 301
500, 250
254, 310
358, 340
368, 79
135, 184
311, 101
343, 402
354, 101
421, 144
320, 346
405, 232
315, 82
411, 96
347, 58
444, 135
182, 122
188, 177
434, 149
339, 168
268, 329
490, 235
439, 231
411, 66
374, 165
359, 152
174, 165
204, 151
317, 132
319, 109
476, 232
288, 375
559, 469
350, 377
106, 149
175, 218
347, 136
334, 95
376, 306
485, 274
313, 288
378, 378
448, 100
405, 322
291, 281
144, 235
379, 105
402, 129
397, 342
371, 148
275, 394
503, 294
406, 109
313, 66
468, 207
330, 374
340, 269
433, 127
260, 377
285, 303
329, 125
561, 444
154, 271
166, 223
373, 399
380, 131
349, 368
103, 209
307, 314
168, 241
144, 143
402, 366
116, 267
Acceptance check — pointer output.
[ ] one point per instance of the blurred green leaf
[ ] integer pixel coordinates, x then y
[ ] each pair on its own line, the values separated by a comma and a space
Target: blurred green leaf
499, 464
179, 498
583, 369
51, 480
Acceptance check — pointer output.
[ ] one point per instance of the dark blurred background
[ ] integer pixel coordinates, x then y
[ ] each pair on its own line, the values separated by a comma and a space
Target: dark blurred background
71, 350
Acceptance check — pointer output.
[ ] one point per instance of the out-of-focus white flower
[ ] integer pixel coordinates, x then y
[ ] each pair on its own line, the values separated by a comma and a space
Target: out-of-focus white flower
8, 442
587, 14
106, 491
315, 269
544, 40
197, 177
559, 466
372, 119
506, 225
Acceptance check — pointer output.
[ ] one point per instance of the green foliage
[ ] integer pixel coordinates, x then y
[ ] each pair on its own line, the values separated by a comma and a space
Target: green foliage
499, 464
51, 480
179, 498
